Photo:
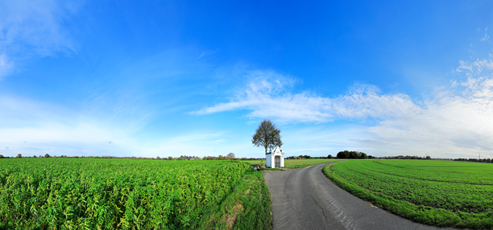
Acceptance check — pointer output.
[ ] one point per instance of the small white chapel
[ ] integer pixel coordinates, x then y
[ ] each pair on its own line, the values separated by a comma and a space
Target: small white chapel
274, 159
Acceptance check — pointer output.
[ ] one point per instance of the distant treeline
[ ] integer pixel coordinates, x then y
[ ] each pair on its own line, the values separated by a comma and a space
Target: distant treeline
352, 155
182, 157
407, 157
302, 157
486, 160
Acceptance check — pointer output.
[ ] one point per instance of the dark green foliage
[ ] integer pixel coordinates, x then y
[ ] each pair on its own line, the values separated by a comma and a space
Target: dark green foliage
351, 155
440, 193
485, 160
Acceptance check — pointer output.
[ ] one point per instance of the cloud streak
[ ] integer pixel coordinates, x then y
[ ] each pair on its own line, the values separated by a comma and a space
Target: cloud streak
34, 28
486, 36
269, 97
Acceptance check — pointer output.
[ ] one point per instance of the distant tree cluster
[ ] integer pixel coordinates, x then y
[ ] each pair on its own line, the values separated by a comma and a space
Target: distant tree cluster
407, 157
309, 157
181, 158
301, 157
220, 157
351, 155
486, 160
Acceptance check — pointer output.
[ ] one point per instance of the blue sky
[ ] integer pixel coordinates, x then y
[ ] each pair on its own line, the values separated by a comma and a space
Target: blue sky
196, 78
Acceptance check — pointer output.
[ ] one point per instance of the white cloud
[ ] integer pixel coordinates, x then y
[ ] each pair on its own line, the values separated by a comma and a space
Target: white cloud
475, 68
30, 28
455, 122
270, 98
459, 125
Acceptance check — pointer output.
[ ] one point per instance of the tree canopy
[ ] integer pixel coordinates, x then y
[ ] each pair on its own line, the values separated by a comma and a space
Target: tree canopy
351, 155
231, 156
267, 135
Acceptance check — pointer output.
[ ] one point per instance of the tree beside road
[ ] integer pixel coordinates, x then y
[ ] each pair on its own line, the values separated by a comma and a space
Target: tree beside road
267, 135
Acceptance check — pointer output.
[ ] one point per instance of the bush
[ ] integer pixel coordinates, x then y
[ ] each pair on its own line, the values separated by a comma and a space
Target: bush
351, 155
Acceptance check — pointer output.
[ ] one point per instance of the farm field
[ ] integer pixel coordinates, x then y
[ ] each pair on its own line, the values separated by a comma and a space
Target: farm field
124, 193
297, 163
440, 193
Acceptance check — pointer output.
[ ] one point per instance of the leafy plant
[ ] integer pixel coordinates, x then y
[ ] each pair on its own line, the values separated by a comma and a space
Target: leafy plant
113, 193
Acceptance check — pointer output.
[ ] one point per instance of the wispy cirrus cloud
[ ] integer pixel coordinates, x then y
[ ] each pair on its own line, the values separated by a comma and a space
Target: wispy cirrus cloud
34, 28
271, 97
486, 36
35, 128
6, 66
475, 67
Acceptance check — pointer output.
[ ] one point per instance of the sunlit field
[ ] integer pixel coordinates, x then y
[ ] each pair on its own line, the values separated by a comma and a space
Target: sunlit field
442, 193
136, 194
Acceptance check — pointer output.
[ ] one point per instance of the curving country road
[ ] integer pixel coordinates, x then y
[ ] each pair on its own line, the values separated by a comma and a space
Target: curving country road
305, 199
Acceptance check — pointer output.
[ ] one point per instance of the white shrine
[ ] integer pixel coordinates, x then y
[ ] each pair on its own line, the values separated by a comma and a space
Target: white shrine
274, 159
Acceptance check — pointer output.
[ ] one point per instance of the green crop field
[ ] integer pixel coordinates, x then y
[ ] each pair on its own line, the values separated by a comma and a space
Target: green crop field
296, 163
135, 194
440, 193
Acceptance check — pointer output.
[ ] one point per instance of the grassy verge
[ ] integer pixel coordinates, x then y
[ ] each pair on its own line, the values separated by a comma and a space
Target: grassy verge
419, 213
247, 207
297, 163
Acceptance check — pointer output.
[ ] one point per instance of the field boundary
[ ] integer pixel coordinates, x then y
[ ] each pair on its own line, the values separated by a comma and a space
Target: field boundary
419, 213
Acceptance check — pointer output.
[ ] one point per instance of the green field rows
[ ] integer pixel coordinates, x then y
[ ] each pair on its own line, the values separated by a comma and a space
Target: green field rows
117, 193
442, 193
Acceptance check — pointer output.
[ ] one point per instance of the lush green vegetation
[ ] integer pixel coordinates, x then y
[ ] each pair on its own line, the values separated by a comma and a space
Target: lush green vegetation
440, 193
296, 163
142, 194
352, 155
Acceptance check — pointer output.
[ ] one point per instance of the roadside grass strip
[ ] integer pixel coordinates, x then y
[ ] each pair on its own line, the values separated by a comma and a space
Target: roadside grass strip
438, 193
296, 163
131, 194
247, 207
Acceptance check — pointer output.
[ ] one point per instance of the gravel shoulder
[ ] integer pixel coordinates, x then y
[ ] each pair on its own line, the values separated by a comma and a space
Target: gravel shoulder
305, 199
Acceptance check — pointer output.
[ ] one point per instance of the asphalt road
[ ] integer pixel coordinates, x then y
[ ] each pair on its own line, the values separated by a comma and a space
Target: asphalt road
305, 199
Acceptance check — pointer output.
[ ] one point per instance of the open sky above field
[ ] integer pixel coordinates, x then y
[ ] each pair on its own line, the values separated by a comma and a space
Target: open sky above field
171, 78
